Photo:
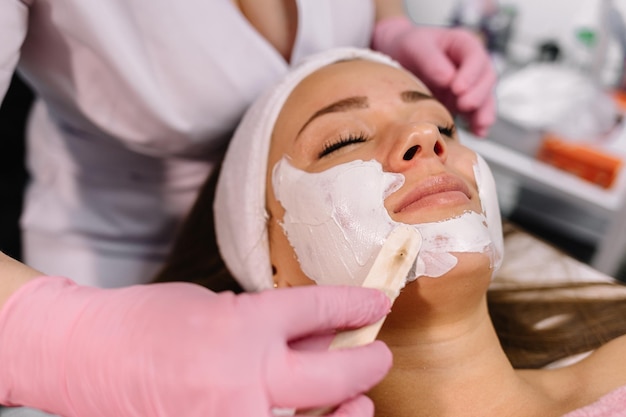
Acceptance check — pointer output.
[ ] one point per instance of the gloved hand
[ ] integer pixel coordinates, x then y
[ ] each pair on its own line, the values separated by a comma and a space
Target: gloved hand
177, 349
453, 64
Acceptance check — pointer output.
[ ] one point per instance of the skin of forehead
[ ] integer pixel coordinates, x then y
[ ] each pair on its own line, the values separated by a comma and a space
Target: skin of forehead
345, 76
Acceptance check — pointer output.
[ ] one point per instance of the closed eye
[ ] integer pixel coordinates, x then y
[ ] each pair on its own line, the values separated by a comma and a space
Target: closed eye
448, 130
342, 142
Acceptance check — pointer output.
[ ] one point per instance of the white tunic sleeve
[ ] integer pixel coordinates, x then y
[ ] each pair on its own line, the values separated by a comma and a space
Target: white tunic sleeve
13, 25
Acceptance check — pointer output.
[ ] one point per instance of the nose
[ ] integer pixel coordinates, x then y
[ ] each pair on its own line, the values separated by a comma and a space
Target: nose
416, 142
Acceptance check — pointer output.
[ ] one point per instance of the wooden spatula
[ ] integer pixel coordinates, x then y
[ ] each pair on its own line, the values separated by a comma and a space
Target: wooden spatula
388, 273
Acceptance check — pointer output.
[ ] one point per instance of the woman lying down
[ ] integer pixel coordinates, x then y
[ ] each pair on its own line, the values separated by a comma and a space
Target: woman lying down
320, 171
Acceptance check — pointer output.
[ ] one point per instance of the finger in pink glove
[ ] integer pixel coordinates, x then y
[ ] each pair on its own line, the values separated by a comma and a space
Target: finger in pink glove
453, 63
178, 349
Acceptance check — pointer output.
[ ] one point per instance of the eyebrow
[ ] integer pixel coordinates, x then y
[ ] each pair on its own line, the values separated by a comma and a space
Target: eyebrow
360, 102
350, 103
411, 96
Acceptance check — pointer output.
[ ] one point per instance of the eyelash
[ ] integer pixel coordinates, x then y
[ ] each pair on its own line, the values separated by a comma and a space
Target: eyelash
447, 130
331, 147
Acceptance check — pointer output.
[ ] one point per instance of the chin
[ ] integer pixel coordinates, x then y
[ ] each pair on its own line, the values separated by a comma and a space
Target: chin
473, 265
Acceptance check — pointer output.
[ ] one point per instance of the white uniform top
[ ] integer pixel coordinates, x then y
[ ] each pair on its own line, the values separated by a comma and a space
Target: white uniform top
137, 100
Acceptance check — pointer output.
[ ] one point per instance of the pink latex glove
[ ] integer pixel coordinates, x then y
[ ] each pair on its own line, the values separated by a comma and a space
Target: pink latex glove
453, 63
177, 349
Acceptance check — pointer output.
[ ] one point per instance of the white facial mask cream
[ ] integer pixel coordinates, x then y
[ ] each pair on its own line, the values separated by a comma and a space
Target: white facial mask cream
336, 222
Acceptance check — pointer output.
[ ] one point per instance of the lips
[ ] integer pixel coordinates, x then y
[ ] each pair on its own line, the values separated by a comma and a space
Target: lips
435, 190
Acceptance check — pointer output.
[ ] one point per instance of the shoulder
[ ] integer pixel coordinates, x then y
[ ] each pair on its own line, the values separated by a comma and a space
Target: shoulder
587, 380
602, 371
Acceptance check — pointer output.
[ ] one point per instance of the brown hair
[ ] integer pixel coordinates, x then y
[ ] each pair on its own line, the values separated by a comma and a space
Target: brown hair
536, 325
535, 332
195, 256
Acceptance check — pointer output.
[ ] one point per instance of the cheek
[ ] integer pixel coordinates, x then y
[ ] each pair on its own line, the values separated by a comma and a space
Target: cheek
464, 161
283, 258
328, 218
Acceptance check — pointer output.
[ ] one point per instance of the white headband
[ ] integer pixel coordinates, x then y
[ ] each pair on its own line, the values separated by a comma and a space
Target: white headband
240, 214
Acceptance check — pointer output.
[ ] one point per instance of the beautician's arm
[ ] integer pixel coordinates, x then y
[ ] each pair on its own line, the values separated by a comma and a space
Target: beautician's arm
175, 349
13, 275
452, 62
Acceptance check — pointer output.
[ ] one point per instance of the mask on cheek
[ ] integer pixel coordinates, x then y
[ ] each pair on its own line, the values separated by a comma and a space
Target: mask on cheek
336, 222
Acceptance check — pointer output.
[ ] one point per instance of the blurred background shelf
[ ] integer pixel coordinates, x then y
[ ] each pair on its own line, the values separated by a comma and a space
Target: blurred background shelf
583, 219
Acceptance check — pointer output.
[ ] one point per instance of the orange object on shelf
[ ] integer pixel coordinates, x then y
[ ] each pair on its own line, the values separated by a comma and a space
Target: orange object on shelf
583, 160
619, 96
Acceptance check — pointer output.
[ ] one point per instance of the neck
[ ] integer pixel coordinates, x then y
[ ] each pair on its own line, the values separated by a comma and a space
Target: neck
449, 363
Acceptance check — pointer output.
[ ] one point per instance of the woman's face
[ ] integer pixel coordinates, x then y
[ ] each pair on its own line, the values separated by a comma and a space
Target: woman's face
365, 111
